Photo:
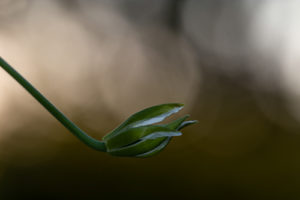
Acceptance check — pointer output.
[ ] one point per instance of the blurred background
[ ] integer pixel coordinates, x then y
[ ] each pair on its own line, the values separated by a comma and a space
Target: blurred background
235, 64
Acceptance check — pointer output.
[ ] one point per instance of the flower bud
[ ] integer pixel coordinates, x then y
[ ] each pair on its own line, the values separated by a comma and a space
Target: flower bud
138, 137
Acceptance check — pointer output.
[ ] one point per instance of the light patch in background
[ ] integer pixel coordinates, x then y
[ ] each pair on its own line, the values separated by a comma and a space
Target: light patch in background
276, 35
8, 8
258, 38
140, 66
227, 40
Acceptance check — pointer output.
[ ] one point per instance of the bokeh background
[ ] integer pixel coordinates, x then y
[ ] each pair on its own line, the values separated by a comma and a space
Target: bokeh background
235, 64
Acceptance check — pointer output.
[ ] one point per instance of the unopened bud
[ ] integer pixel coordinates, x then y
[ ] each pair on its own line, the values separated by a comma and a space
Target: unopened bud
138, 137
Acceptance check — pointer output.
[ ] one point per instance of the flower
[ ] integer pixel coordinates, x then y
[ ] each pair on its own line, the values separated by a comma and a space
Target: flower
139, 136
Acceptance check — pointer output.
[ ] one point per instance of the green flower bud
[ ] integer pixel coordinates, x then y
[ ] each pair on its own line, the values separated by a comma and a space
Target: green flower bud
138, 137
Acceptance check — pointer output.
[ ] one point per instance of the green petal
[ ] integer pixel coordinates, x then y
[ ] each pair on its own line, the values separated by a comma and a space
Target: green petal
133, 135
155, 135
174, 125
186, 123
178, 125
147, 116
137, 148
156, 150
146, 144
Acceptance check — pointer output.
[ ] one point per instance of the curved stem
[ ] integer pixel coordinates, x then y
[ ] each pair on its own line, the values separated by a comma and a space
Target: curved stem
91, 142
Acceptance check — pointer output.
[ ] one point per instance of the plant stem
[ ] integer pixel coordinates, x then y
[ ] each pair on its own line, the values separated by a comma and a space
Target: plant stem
91, 142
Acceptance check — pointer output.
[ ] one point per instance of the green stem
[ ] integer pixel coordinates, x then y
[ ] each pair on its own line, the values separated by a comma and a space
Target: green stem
91, 142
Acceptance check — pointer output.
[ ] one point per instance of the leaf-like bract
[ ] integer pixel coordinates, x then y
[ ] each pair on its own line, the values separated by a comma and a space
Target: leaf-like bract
132, 135
146, 144
186, 123
147, 116
156, 150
